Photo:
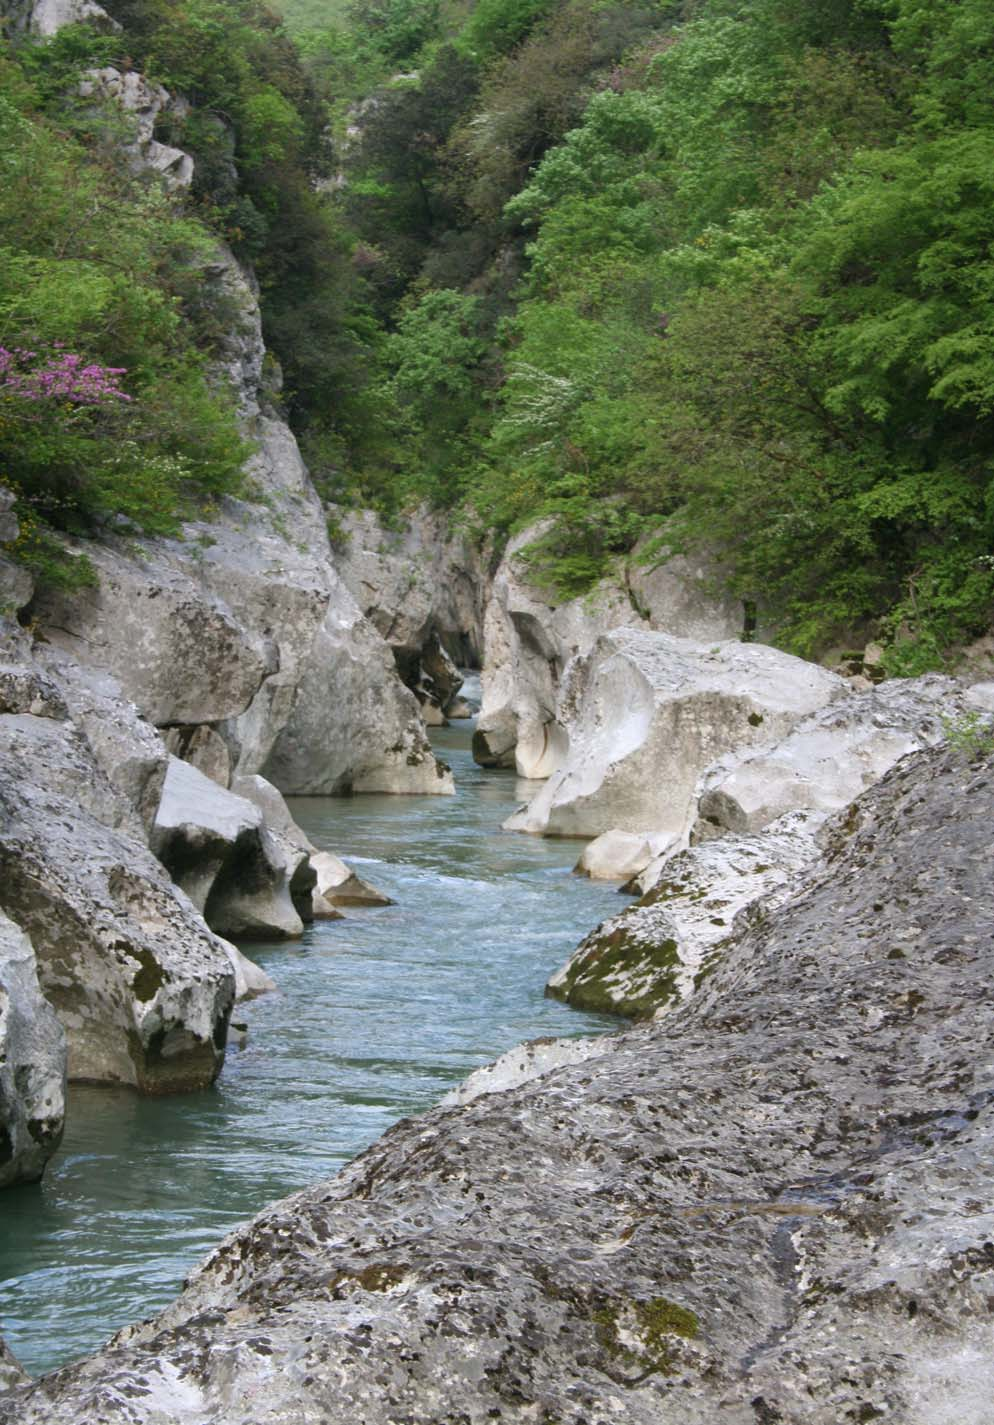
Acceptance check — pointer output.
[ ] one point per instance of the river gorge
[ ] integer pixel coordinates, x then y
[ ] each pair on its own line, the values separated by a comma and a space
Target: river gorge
375, 1017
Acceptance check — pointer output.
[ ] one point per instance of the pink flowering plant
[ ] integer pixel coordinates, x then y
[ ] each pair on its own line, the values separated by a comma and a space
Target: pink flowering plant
58, 375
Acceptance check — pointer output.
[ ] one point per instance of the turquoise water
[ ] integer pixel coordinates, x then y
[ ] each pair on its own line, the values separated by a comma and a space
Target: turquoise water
374, 1018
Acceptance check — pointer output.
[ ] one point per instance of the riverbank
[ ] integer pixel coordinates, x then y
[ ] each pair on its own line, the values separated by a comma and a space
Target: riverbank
375, 1017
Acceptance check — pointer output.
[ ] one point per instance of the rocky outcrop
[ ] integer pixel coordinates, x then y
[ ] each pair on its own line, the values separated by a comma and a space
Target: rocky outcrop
530, 636
766, 808
141, 102
772, 1205
420, 580
646, 714
832, 756
243, 628
32, 1066
140, 985
216, 846
647, 957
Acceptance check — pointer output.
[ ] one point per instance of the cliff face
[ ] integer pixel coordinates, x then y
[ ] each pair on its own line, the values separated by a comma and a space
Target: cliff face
244, 626
772, 1206
236, 646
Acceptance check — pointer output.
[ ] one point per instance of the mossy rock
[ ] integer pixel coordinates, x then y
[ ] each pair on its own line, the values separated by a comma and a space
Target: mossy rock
616, 971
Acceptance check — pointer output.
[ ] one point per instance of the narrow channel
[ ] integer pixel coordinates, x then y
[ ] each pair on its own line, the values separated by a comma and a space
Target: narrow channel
375, 1017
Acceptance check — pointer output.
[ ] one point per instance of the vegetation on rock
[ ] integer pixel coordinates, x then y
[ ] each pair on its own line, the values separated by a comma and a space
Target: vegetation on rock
718, 265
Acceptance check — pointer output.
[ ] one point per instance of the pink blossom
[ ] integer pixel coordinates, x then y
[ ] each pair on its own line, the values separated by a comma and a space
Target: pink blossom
58, 375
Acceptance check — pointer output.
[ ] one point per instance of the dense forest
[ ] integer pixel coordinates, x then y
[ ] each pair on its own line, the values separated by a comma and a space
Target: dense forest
712, 274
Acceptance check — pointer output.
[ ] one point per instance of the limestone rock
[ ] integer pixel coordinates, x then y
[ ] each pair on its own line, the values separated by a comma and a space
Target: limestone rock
530, 636
647, 713
523, 1064
772, 1205
178, 653
646, 958
250, 979
216, 846
833, 755
10, 1372
125, 746
615, 856
244, 625
46, 17
419, 580
203, 748
338, 885
142, 988
32, 1067
143, 103
275, 812
980, 696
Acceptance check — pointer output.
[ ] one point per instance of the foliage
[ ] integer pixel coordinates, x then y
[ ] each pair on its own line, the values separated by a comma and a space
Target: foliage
106, 409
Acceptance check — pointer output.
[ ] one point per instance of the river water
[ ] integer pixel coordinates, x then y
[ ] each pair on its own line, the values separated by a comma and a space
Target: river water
375, 1016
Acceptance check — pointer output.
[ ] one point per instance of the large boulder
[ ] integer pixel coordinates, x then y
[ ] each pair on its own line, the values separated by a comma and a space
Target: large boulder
771, 1206
648, 956
833, 755
530, 635
32, 1066
142, 988
216, 846
646, 713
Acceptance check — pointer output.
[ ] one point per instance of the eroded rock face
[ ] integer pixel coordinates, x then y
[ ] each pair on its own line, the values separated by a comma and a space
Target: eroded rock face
218, 849
647, 957
142, 988
419, 580
32, 1067
530, 636
646, 714
832, 756
141, 101
773, 1205
244, 628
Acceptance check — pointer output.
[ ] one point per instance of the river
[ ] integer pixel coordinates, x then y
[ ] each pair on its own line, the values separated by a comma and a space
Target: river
375, 1016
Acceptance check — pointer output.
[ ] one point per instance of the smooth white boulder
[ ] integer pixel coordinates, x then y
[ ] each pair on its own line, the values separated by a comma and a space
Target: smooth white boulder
338, 885
829, 758
251, 979
216, 846
646, 713
32, 1065
530, 635
615, 856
